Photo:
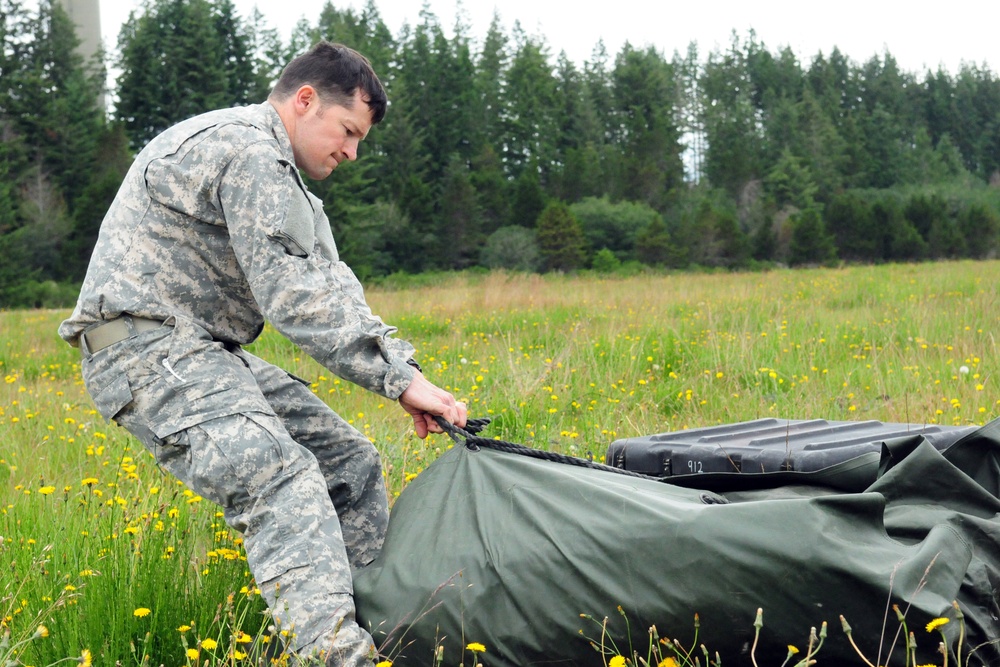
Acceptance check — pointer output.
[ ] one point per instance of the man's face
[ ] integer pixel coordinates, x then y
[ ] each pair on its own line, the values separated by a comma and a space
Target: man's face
328, 134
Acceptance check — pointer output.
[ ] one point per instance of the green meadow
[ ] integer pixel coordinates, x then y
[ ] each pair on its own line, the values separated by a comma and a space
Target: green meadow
104, 560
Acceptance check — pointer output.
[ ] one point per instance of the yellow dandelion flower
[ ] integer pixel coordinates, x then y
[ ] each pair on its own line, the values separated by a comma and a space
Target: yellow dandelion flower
936, 623
46, 490
85, 658
89, 481
792, 650
384, 663
209, 644
617, 661
239, 655
42, 631
476, 647
192, 653
667, 662
184, 628
244, 638
140, 612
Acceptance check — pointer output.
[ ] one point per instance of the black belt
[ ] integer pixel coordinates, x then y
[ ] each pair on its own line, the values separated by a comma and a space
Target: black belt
115, 331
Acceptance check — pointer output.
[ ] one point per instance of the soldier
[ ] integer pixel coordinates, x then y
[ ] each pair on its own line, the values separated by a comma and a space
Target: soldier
211, 233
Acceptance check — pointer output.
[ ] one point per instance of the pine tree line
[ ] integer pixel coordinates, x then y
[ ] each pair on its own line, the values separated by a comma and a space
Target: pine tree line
495, 153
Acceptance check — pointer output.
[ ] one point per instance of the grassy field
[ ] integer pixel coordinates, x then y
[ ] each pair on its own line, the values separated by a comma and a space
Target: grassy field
106, 560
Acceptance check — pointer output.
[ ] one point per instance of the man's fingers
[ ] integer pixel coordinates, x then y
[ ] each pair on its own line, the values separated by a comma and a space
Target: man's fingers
423, 400
420, 425
461, 414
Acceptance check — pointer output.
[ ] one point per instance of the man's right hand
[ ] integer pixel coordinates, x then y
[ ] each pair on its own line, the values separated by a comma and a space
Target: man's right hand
424, 400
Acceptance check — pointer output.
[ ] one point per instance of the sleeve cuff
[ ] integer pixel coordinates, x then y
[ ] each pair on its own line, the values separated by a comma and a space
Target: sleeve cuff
398, 378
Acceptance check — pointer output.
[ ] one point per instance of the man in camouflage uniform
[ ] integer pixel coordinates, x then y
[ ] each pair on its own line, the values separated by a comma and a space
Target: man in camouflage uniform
212, 232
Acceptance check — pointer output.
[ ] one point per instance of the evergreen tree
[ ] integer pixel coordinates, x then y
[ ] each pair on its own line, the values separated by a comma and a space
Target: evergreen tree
923, 211
980, 226
599, 91
945, 239
565, 184
373, 239
734, 247
437, 78
243, 86
653, 246
901, 241
811, 244
530, 123
459, 227
55, 110
267, 55
113, 160
50, 123
763, 243
733, 132
403, 179
489, 85
492, 190
560, 239
789, 183
529, 199
647, 134
176, 63
854, 230
690, 111
605, 261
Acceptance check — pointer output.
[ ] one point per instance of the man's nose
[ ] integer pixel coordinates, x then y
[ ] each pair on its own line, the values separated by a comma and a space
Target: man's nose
351, 149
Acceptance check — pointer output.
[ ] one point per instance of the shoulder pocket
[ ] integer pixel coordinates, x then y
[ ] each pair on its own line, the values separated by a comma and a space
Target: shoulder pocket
297, 232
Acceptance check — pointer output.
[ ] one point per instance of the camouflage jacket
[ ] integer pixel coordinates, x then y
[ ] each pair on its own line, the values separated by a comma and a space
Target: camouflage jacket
214, 224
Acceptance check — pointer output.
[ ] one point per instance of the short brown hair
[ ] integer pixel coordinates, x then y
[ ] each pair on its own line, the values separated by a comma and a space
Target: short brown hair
336, 72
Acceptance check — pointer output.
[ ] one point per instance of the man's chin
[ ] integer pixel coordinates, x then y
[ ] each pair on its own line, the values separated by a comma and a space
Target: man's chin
320, 175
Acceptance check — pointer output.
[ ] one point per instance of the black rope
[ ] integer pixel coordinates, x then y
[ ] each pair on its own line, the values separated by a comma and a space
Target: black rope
473, 442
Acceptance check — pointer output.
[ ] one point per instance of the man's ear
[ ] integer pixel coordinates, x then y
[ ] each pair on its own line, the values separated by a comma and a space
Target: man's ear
305, 98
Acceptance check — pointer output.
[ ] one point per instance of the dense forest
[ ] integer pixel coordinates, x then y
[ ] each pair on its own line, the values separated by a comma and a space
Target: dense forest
497, 153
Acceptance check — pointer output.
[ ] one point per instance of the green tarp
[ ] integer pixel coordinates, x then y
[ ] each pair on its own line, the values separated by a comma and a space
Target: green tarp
508, 551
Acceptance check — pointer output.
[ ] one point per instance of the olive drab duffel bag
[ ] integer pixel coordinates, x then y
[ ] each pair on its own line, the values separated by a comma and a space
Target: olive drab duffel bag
506, 550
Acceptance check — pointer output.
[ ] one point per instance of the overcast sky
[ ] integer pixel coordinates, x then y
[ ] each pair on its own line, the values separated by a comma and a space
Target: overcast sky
919, 35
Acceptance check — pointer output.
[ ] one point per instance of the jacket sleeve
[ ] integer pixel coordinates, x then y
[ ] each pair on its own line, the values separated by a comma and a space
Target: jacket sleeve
299, 283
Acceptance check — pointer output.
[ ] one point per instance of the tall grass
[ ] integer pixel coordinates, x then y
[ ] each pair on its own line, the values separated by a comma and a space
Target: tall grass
93, 534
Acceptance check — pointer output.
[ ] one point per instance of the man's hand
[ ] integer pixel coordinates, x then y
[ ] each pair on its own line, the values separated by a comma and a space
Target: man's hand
423, 400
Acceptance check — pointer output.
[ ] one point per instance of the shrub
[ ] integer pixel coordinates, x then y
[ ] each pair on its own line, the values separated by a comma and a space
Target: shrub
512, 247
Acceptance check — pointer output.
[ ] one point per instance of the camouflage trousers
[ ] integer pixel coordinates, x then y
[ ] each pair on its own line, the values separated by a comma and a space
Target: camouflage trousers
304, 487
